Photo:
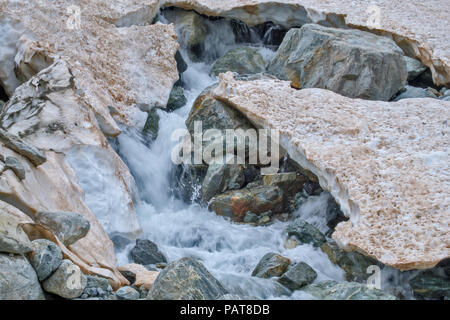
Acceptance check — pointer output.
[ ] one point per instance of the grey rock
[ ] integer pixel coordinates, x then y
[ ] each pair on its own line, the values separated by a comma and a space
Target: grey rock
119, 241
235, 204
98, 283
130, 276
189, 178
12, 237
45, 258
298, 276
350, 62
429, 285
414, 67
69, 227
177, 99
410, 92
67, 281
192, 28
354, 263
151, 126
305, 233
213, 114
186, 279
291, 183
243, 61
258, 220
127, 293
2, 103
271, 265
146, 252
18, 280
181, 63
14, 164
222, 177
332, 290
334, 215
100, 292
23, 148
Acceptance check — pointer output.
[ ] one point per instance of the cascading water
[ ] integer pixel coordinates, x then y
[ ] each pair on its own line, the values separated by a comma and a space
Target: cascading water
229, 251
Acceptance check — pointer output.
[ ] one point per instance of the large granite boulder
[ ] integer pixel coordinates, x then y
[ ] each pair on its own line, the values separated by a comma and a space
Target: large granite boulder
350, 62
186, 279
243, 61
45, 258
332, 290
12, 237
271, 265
430, 285
67, 281
18, 280
354, 263
69, 227
298, 276
235, 204
305, 233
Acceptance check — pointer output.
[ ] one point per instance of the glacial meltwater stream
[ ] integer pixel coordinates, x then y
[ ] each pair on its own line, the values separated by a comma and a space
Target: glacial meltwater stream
229, 251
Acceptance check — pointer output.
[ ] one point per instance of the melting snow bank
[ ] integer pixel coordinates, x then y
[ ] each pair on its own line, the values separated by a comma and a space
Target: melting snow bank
382, 162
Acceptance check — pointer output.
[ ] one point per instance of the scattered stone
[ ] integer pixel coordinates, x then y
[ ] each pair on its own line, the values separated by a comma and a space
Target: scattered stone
151, 126
161, 265
67, 281
305, 233
298, 276
271, 265
410, 92
69, 227
45, 258
23, 148
143, 292
14, 164
12, 237
350, 62
177, 99
127, 293
258, 220
222, 177
144, 277
334, 214
99, 283
353, 263
235, 204
431, 286
332, 290
186, 279
244, 61
18, 280
146, 252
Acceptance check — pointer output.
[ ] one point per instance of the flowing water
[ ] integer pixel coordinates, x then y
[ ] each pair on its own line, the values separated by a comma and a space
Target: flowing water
229, 251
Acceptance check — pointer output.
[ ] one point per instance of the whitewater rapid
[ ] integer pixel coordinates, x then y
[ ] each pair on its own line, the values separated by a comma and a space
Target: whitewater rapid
229, 251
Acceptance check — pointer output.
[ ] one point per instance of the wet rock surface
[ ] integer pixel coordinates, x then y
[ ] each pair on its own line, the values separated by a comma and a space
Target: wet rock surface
298, 276
146, 252
271, 265
305, 233
186, 279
